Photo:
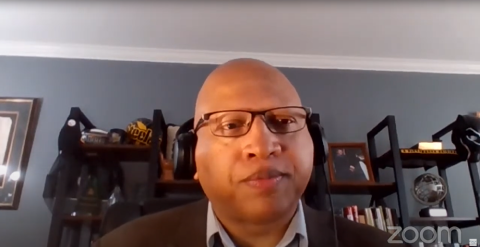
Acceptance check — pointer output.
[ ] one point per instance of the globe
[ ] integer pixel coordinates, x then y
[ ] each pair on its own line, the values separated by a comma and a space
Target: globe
429, 189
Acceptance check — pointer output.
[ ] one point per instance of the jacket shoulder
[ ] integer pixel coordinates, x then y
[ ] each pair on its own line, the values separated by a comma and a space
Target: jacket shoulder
153, 230
352, 234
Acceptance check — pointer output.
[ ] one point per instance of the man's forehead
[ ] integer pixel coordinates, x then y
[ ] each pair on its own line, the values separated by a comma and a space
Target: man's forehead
248, 98
248, 84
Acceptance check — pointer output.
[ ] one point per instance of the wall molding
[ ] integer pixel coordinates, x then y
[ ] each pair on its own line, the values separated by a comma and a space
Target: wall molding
116, 53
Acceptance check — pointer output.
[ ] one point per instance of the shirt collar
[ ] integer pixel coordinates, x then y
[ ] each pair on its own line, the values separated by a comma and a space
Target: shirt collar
297, 226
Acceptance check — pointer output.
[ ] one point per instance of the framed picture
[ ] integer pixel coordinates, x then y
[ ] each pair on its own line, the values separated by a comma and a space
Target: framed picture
18, 122
349, 163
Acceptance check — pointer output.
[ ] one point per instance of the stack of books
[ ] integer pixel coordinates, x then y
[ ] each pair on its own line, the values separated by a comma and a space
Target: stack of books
383, 218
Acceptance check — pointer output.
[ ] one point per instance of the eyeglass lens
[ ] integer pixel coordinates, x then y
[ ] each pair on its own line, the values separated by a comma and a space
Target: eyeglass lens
237, 123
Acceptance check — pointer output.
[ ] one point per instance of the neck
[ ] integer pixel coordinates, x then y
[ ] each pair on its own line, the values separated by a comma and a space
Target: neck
248, 234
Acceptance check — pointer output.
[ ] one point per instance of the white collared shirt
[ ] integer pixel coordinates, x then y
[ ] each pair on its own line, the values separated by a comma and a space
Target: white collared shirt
297, 227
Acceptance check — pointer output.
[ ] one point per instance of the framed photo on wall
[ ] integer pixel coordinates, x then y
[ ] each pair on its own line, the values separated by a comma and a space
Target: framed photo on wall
18, 122
349, 163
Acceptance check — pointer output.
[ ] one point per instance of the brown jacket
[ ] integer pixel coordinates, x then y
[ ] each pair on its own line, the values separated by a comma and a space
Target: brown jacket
185, 226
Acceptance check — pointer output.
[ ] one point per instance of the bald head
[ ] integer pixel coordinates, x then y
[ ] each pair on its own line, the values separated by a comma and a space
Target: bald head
245, 84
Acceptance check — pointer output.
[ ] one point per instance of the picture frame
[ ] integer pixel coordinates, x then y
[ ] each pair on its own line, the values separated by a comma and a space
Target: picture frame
18, 123
349, 163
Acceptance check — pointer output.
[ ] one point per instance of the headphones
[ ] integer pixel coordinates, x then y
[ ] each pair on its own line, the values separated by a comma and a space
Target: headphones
186, 140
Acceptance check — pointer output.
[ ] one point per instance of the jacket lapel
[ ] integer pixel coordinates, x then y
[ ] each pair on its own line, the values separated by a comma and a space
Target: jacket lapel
319, 227
192, 227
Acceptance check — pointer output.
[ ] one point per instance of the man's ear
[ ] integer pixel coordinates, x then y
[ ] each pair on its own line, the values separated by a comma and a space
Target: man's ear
195, 177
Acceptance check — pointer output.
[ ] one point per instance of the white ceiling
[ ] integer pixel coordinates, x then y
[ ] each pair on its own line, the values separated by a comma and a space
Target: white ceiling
440, 32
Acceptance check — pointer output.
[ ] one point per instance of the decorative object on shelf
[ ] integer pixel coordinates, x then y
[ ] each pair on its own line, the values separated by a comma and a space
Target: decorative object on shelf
169, 137
166, 154
429, 146
167, 168
99, 136
117, 136
94, 136
70, 158
430, 190
18, 123
426, 153
89, 200
466, 137
139, 131
118, 182
116, 196
349, 163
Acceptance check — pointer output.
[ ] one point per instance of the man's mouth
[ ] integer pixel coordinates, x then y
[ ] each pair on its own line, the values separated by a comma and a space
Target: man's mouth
265, 180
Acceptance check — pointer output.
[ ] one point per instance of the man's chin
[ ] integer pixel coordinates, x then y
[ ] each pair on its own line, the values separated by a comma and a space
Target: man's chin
263, 216
267, 208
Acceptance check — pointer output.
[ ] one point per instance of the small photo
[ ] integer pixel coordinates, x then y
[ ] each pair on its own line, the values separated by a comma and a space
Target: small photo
349, 163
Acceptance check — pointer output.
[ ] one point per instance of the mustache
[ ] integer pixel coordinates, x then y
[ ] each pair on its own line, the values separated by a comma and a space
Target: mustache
265, 174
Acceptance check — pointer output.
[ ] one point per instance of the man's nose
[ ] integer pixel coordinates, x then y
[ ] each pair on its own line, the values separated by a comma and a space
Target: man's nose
260, 142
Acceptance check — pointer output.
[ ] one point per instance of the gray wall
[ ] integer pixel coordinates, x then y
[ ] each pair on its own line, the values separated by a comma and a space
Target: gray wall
114, 93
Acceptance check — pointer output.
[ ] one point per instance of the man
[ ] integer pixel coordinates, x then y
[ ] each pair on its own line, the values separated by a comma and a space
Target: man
348, 167
254, 158
342, 166
362, 167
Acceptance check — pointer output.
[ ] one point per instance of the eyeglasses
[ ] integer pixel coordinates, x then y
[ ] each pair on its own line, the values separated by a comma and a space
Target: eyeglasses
235, 123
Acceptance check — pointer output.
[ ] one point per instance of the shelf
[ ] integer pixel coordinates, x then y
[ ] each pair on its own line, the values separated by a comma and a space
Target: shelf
119, 152
460, 222
417, 158
378, 189
78, 220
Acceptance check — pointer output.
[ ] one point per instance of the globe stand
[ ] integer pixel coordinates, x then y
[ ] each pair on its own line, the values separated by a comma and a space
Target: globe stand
433, 212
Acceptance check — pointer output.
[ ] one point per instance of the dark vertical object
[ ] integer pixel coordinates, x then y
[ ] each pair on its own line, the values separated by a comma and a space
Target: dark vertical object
474, 177
319, 175
154, 168
389, 123
436, 137
372, 152
447, 203
442, 171
315, 118
320, 180
65, 170
473, 168
69, 149
464, 131
56, 228
75, 235
398, 171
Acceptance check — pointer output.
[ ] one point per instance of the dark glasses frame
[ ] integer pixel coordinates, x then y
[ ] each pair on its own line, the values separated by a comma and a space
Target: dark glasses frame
205, 117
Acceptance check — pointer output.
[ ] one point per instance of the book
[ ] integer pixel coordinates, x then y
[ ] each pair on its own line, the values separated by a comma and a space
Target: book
383, 218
